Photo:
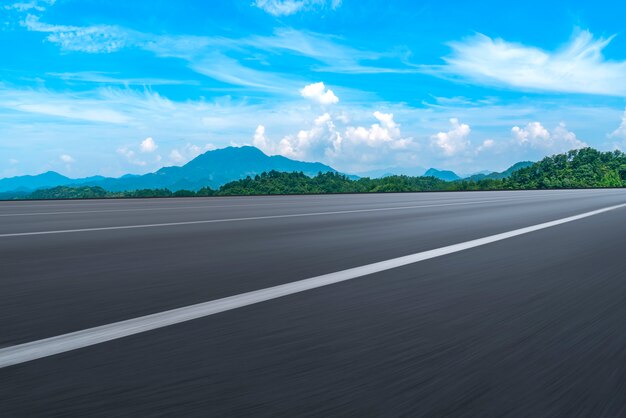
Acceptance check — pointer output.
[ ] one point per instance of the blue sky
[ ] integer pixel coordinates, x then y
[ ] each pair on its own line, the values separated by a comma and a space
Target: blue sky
111, 87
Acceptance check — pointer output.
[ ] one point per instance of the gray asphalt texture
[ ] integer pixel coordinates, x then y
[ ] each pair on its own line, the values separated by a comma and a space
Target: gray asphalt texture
530, 326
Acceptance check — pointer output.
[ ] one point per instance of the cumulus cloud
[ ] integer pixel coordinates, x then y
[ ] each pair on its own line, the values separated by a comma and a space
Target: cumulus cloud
329, 138
487, 144
578, 67
148, 145
259, 140
66, 158
453, 141
318, 93
536, 136
130, 156
289, 7
387, 131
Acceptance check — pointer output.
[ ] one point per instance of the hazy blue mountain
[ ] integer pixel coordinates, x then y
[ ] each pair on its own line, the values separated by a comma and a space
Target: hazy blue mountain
483, 172
393, 171
504, 174
38, 181
442, 174
213, 168
41, 181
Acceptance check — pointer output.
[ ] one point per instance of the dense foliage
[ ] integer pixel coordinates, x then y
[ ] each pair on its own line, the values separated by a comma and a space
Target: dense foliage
576, 169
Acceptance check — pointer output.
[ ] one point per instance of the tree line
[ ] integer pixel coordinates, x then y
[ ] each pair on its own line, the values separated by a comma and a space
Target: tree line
584, 168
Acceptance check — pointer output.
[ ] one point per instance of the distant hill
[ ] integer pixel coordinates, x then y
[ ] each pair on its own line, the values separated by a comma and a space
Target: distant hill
442, 174
505, 174
393, 171
41, 181
212, 169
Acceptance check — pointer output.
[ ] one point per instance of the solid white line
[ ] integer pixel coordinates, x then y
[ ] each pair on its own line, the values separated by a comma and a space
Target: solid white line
63, 343
208, 207
63, 203
251, 218
72, 212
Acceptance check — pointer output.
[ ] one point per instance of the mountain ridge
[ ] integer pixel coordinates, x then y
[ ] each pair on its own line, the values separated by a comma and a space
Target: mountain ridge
500, 175
212, 169
215, 168
446, 175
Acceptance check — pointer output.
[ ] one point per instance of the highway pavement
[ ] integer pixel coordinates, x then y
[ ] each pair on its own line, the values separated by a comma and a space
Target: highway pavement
530, 323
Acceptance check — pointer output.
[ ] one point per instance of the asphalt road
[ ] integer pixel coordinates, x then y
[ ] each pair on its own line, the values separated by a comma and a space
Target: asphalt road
533, 325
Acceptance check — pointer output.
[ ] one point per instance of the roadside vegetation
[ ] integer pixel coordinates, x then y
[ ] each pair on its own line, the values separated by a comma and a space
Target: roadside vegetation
585, 168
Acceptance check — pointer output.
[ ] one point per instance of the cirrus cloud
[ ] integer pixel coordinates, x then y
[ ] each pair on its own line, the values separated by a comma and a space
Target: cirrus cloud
578, 67
289, 7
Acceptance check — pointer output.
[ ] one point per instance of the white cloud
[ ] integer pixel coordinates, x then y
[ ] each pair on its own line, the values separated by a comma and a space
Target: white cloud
131, 156
535, 135
67, 158
259, 140
107, 78
534, 131
322, 140
319, 94
228, 70
453, 141
188, 152
91, 39
331, 140
67, 110
289, 7
620, 132
176, 156
487, 144
13, 161
578, 67
323, 48
214, 56
148, 145
38, 5
385, 132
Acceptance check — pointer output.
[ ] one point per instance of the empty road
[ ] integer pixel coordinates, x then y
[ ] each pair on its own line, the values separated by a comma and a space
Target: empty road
420, 304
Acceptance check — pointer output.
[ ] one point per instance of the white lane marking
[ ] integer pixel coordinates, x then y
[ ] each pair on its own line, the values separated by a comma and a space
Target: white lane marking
23, 353
71, 212
208, 207
154, 201
253, 218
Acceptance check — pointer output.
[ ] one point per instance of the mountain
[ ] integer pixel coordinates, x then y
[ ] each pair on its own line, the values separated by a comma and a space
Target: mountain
505, 174
393, 171
41, 181
442, 174
212, 169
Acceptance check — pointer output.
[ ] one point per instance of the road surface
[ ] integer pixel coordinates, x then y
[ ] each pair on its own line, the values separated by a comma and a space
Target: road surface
529, 323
